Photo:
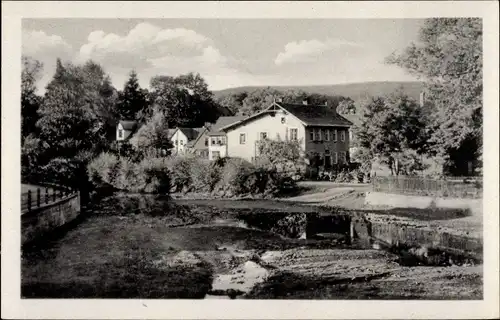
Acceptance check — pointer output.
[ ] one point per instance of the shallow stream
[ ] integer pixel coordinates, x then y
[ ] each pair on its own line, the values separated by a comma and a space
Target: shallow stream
136, 246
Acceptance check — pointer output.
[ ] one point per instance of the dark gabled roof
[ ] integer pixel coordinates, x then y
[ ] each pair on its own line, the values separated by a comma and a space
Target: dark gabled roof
128, 125
170, 132
315, 115
201, 131
310, 115
222, 122
191, 133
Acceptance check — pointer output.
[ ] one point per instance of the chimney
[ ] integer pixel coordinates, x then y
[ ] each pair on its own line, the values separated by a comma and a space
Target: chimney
422, 99
304, 102
278, 100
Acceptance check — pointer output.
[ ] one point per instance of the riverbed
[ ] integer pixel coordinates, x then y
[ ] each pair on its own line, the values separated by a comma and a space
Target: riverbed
136, 246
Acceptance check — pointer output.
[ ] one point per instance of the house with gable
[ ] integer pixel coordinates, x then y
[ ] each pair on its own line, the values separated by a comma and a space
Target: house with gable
184, 138
216, 138
125, 129
322, 133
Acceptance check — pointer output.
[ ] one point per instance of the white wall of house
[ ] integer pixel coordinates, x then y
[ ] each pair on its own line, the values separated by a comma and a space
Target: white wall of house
121, 134
280, 124
179, 142
217, 147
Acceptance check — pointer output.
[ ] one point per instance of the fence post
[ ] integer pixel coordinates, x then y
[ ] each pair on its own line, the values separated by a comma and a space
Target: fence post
54, 195
46, 195
29, 200
38, 197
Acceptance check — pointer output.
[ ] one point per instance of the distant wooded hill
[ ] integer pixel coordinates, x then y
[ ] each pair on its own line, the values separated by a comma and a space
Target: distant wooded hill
355, 91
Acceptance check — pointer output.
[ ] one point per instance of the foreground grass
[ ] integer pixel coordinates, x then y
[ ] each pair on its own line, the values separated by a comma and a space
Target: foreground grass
110, 257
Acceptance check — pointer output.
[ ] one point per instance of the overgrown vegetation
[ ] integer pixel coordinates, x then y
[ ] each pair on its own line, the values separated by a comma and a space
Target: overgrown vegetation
228, 178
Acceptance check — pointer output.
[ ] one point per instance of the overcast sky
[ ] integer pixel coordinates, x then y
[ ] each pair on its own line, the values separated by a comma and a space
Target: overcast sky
227, 53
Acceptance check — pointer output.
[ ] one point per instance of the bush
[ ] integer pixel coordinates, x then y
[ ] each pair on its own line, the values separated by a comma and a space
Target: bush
103, 169
151, 175
234, 175
156, 173
204, 175
240, 177
180, 172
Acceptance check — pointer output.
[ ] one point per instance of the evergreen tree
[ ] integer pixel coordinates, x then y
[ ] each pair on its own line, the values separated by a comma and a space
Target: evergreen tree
132, 100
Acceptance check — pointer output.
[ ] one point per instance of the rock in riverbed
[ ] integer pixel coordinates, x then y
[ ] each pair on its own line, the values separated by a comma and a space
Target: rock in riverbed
241, 279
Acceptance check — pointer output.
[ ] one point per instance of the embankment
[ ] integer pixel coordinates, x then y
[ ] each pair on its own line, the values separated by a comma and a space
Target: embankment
42, 220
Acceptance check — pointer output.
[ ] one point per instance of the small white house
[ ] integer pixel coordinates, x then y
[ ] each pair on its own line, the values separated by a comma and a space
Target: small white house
125, 129
182, 138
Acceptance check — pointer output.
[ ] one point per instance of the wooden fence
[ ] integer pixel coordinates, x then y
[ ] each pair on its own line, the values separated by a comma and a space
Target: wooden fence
44, 195
452, 187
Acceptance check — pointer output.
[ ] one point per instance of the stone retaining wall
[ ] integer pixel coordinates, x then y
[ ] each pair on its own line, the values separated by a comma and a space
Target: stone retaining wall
43, 220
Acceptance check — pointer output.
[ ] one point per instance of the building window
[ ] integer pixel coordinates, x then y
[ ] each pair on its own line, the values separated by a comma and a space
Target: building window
343, 157
214, 141
342, 135
120, 133
283, 120
206, 142
294, 134
215, 154
311, 134
243, 138
223, 140
176, 142
263, 135
334, 132
327, 134
318, 134
182, 142
335, 158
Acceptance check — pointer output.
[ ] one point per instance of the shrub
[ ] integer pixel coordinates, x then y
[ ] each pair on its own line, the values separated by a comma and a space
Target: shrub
204, 175
151, 175
103, 169
157, 175
180, 172
234, 175
344, 176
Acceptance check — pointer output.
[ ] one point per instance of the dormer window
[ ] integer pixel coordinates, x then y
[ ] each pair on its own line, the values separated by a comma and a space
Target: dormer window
120, 133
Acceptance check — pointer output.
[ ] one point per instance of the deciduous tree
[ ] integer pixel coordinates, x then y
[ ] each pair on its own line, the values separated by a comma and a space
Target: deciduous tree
185, 100
70, 126
30, 100
448, 56
392, 128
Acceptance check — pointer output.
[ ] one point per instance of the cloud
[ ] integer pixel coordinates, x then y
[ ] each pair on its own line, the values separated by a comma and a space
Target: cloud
309, 50
39, 44
46, 49
143, 46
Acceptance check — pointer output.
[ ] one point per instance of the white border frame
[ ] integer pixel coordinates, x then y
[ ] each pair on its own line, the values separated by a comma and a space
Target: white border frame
14, 307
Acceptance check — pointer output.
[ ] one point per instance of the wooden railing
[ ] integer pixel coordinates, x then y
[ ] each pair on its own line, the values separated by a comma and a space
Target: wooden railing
44, 195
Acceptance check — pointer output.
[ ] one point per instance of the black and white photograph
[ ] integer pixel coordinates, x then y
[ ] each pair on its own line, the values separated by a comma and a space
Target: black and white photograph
183, 158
